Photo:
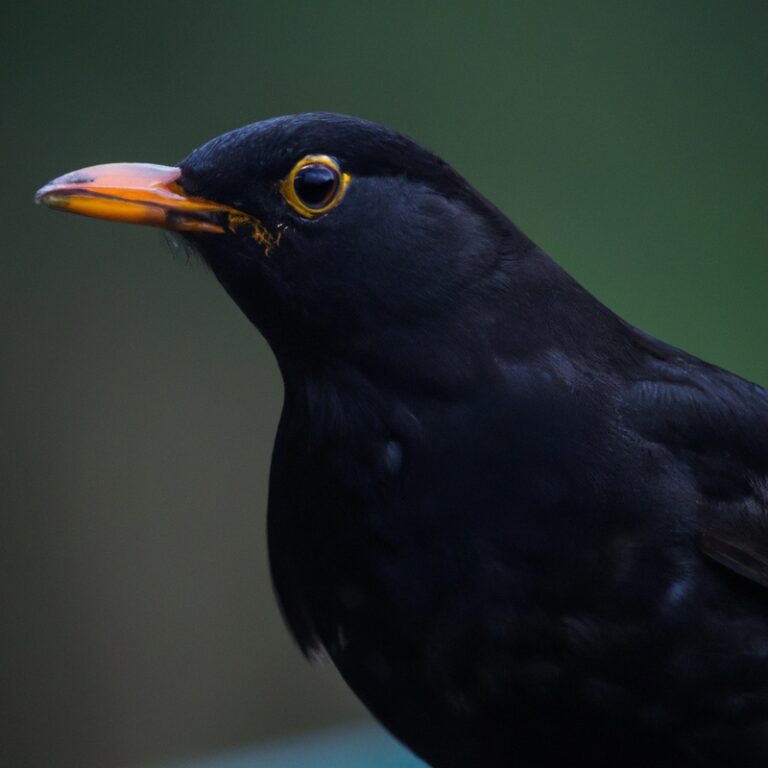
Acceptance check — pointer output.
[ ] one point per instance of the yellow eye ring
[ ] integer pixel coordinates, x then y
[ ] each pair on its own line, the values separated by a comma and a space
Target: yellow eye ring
314, 186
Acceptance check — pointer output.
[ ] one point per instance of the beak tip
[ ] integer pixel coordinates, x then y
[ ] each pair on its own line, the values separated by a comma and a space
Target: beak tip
47, 196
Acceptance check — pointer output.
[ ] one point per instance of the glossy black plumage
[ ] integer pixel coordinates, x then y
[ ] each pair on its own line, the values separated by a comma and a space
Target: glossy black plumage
525, 532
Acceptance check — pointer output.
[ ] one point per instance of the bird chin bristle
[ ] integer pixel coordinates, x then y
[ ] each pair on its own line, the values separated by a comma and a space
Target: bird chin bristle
181, 246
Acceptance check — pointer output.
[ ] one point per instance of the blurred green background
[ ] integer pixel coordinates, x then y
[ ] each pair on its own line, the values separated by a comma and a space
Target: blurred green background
138, 406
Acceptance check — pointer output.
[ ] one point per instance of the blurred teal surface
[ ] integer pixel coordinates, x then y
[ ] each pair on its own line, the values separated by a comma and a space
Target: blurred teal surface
138, 407
349, 747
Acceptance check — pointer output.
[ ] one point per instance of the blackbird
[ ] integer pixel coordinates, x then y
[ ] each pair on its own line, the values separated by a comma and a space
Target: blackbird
525, 532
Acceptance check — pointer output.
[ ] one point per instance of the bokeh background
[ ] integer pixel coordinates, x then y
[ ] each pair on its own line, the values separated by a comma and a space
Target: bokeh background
138, 407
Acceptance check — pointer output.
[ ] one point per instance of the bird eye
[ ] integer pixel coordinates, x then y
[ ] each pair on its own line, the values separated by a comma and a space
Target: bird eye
314, 186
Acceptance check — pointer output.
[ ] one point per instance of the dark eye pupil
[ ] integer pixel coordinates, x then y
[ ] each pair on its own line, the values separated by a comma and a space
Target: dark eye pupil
315, 185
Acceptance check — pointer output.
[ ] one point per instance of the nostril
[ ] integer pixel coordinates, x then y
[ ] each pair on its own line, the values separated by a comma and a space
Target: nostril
190, 182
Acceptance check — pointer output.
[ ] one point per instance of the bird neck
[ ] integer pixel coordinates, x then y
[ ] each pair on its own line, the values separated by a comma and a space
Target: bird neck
523, 307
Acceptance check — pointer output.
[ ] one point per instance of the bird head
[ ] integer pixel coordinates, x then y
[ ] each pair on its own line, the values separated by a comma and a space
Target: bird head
327, 230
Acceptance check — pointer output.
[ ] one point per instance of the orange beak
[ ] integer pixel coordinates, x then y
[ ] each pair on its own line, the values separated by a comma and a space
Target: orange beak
139, 193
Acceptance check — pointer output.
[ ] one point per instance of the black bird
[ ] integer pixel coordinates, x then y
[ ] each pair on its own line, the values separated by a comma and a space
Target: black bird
525, 532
